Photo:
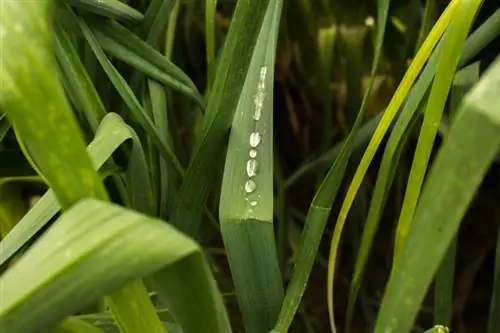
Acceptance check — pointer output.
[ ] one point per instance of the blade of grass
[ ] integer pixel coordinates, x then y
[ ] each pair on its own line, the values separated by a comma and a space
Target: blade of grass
61, 158
394, 105
322, 203
153, 26
466, 154
4, 126
386, 173
81, 87
11, 207
443, 289
488, 31
473, 45
158, 96
210, 11
445, 276
327, 37
71, 254
246, 201
74, 325
352, 40
77, 78
155, 19
446, 67
481, 37
325, 160
127, 47
427, 21
112, 133
126, 93
113, 9
231, 73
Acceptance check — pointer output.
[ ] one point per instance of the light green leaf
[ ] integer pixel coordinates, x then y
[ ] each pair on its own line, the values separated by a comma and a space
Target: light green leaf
466, 154
246, 203
71, 254
233, 67
112, 133
113, 9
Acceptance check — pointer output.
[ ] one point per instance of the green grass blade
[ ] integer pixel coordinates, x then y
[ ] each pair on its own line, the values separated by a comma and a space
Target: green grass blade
466, 154
322, 203
126, 93
481, 37
160, 13
352, 38
11, 207
325, 160
426, 26
114, 9
80, 85
47, 126
78, 79
394, 105
4, 126
443, 289
210, 11
73, 325
129, 48
70, 173
89, 233
386, 173
155, 20
446, 67
247, 199
112, 133
231, 73
473, 45
327, 38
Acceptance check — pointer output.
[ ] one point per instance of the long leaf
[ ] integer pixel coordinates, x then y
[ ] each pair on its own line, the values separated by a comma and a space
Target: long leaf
230, 77
126, 93
446, 66
246, 203
112, 133
71, 254
457, 172
114, 9
393, 150
394, 105
322, 203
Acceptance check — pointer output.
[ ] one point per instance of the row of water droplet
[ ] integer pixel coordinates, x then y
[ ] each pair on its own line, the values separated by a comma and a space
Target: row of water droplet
252, 165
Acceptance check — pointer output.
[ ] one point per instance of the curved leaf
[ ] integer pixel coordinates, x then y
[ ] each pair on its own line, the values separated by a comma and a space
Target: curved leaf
114, 9
112, 133
69, 259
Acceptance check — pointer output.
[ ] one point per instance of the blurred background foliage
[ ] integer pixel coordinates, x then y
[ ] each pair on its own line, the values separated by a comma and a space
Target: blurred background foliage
321, 41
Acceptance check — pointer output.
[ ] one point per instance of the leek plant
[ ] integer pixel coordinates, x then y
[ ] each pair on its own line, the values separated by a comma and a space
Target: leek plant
166, 200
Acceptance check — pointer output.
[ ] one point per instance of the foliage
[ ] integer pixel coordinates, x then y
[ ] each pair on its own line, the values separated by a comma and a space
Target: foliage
183, 182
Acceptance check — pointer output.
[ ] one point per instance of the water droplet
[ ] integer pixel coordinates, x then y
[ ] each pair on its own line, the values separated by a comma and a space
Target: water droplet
250, 186
258, 113
255, 138
253, 203
252, 167
263, 72
253, 153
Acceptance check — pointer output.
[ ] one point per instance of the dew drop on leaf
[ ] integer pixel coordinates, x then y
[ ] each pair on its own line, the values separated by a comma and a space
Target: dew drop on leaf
250, 186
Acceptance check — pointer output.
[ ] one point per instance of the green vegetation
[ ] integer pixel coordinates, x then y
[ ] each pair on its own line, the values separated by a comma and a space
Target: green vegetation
190, 166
